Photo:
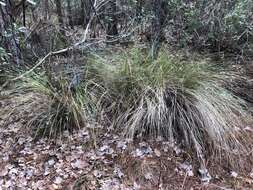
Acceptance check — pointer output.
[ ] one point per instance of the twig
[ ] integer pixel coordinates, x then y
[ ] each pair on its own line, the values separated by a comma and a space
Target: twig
182, 187
160, 175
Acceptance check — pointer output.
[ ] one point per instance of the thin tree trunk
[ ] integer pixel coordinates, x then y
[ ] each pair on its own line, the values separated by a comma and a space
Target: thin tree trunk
59, 11
83, 17
70, 14
46, 10
112, 29
23, 4
158, 22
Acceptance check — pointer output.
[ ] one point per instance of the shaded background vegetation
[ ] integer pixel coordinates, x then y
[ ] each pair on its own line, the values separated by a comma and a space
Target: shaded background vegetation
33, 28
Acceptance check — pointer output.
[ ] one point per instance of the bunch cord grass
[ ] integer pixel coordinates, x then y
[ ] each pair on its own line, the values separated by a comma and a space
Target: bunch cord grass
182, 102
62, 107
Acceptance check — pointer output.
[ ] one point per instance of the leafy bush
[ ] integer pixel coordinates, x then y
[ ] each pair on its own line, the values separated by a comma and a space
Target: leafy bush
178, 100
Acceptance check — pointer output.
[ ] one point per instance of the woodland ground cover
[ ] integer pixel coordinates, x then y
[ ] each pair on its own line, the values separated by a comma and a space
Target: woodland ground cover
126, 95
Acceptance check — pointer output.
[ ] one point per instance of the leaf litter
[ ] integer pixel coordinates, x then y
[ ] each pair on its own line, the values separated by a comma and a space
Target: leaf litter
116, 163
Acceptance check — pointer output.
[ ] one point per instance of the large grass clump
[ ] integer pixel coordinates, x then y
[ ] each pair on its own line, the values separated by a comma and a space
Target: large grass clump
182, 101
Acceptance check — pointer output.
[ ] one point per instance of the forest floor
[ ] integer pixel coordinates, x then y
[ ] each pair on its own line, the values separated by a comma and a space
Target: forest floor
81, 161
101, 159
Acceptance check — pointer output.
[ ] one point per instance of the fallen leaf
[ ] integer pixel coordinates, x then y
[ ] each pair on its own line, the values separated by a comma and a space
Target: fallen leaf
58, 180
79, 164
157, 152
234, 174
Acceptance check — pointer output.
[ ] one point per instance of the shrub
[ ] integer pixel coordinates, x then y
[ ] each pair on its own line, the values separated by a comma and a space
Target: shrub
178, 100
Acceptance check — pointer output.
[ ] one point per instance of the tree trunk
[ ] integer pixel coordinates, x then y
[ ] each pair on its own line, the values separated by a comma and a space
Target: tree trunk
83, 15
112, 23
59, 11
160, 12
46, 10
70, 14
23, 6
10, 42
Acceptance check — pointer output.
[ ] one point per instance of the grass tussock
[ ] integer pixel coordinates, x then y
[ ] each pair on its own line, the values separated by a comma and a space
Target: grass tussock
62, 107
178, 100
